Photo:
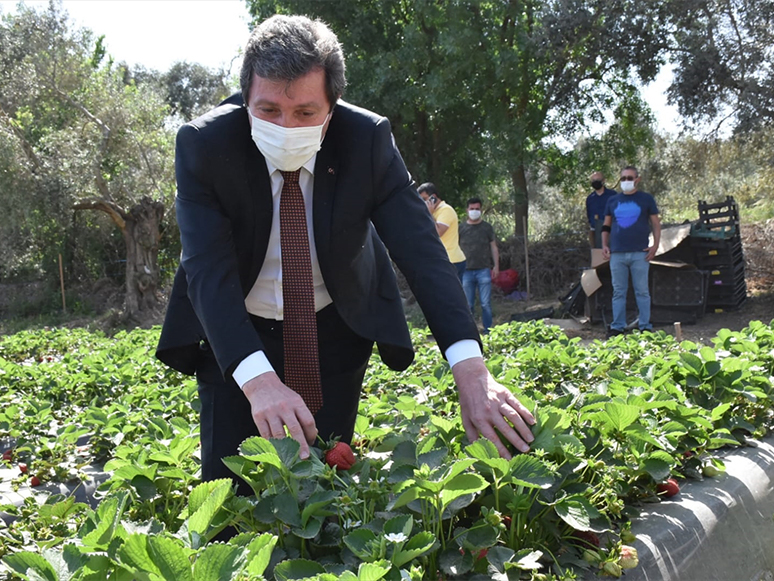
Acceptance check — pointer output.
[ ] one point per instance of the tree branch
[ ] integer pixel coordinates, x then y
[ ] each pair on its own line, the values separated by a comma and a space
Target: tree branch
116, 213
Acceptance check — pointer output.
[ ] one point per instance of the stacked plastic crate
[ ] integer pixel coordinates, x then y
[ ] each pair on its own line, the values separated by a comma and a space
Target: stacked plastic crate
717, 246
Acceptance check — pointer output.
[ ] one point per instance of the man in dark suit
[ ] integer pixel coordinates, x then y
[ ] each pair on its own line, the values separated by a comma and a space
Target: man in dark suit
229, 317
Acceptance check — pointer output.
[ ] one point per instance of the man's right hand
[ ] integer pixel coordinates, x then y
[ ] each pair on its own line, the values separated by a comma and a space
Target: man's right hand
606, 252
274, 406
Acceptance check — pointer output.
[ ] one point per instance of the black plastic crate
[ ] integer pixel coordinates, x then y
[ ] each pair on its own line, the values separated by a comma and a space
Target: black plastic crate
726, 302
724, 213
724, 292
712, 258
716, 282
723, 308
726, 272
678, 287
718, 245
676, 294
715, 231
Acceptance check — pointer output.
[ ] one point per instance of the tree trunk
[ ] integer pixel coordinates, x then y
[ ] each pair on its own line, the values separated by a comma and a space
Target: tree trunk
142, 234
520, 199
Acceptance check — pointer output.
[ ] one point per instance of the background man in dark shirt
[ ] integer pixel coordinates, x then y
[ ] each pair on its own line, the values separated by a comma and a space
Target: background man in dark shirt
478, 242
595, 207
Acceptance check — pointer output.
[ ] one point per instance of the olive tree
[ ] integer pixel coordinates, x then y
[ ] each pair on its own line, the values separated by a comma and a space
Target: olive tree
81, 139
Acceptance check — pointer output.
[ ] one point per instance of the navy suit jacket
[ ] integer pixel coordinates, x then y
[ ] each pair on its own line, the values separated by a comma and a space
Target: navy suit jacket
364, 205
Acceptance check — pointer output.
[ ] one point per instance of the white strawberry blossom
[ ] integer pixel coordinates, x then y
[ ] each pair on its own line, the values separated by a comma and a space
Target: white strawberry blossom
396, 537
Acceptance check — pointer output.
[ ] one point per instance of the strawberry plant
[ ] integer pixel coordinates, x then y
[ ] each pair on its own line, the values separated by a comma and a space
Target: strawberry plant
416, 500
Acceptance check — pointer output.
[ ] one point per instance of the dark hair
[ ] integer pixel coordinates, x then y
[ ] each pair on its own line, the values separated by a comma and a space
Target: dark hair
285, 48
631, 167
429, 189
475, 201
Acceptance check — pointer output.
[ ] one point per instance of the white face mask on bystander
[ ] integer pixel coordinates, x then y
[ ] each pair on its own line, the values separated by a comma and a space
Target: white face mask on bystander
286, 148
627, 186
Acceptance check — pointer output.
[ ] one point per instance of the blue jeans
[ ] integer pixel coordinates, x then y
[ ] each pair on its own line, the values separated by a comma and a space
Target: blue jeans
481, 279
621, 264
460, 266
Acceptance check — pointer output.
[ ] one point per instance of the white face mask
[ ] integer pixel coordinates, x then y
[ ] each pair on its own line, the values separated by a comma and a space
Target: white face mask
474, 214
627, 186
286, 148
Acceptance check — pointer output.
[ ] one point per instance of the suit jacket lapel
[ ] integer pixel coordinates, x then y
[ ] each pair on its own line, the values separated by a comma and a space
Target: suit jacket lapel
326, 170
261, 205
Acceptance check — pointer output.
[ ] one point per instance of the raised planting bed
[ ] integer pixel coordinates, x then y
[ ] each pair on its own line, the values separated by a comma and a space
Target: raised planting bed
717, 529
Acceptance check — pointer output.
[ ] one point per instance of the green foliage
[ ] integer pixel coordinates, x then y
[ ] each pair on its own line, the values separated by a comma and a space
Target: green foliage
477, 90
723, 62
72, 133
613, 420
189, 89
687, 170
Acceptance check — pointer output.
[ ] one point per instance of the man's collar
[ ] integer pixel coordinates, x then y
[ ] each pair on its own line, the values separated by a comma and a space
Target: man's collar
308, 166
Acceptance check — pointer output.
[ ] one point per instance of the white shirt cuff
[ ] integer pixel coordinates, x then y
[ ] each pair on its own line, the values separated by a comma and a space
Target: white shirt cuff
251, 367
461, 350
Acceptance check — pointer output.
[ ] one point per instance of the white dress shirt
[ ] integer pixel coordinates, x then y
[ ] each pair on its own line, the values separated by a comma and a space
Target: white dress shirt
265, 297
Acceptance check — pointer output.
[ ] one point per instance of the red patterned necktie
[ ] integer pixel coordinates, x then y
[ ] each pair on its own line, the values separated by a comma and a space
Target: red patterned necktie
302, 364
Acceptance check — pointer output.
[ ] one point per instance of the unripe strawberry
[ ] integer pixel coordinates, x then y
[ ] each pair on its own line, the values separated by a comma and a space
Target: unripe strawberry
629, 558
612, 569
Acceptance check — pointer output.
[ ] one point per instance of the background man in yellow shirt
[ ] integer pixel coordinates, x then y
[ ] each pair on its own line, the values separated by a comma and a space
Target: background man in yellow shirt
446, 223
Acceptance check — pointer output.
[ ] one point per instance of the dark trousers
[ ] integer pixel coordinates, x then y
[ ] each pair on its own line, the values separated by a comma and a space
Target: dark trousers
226, 420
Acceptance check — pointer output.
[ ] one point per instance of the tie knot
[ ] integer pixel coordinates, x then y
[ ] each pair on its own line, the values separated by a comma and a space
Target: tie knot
291, 177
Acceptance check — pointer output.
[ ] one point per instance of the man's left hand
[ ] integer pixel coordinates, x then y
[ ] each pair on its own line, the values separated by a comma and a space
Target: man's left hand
651, 252
487, 406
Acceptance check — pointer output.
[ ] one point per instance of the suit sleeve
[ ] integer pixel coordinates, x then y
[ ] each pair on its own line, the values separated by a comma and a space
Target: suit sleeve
408, 231
209, 257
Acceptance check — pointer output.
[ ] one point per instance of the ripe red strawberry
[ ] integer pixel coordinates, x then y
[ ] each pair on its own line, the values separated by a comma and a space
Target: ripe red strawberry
507, 520
8, 454
668, 488
340, 456
34, 481
587, 537
22, 468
